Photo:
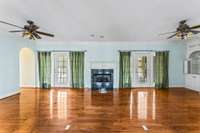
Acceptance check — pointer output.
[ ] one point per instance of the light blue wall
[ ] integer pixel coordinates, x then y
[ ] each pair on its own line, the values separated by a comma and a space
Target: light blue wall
9, 64
108, 52
96, 51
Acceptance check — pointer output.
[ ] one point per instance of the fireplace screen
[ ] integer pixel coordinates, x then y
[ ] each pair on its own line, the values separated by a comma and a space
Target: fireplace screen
102, 78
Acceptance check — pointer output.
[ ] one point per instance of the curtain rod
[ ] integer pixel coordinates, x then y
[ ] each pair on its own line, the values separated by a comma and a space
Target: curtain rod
142, 50
61, 51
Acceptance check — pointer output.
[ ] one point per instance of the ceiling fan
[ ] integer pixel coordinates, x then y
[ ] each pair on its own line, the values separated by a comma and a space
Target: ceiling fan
184, 31
30, 30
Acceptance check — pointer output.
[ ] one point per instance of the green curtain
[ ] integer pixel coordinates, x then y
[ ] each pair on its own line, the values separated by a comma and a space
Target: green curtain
44, 64
124, 70
161, 69
77, 69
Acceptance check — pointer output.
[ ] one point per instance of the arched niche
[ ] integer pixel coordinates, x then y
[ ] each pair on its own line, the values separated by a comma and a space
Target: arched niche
195, 55
194, 63
27, 67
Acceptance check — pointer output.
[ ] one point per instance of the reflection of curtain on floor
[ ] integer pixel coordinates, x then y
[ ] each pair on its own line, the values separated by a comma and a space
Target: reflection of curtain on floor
44, 64
124, 70
161, 69
77, 69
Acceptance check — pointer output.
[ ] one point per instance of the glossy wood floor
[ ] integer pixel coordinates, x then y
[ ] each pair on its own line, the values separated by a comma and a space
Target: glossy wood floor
85, 111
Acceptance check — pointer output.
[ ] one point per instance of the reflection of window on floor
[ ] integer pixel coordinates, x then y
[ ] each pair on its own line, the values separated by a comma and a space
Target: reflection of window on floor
154, 106
142, 105
51, 103
62, 105
131, 105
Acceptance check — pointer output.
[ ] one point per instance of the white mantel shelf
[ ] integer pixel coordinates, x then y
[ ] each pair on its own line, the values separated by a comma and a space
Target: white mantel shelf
103, 65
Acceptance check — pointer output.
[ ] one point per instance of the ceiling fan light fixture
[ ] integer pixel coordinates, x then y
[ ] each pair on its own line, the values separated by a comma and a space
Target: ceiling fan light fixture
189, 35
26, 34
184, 35
184, 31
29, 31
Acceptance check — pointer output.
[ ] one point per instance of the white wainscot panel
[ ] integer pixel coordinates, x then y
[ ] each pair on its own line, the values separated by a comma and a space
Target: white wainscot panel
193, 82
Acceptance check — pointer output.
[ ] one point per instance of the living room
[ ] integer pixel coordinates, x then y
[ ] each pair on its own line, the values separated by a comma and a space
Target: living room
100, 66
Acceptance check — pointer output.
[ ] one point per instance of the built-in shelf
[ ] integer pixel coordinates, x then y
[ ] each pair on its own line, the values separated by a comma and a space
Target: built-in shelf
192, 64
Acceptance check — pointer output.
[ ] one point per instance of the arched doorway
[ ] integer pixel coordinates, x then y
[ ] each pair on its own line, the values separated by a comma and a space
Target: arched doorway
27, 67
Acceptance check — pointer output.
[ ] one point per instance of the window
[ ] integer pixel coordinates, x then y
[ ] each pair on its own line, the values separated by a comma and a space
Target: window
142, 69
61, 70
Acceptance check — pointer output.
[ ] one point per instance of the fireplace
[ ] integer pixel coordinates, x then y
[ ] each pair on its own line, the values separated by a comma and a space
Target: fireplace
102, 78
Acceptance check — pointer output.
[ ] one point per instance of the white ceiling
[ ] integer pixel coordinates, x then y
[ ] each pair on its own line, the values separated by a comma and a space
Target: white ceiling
116, 20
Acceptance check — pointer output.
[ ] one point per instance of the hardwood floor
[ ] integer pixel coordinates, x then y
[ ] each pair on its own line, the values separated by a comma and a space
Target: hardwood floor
86, 111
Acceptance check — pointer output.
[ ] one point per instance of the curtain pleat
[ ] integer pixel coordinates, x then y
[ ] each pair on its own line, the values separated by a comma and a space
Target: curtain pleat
77, 69
124, 70
161, 70
44, 64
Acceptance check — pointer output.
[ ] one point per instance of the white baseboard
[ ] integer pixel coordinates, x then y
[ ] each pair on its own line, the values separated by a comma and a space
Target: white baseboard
27, 86
10, 94
197, 90
177, 86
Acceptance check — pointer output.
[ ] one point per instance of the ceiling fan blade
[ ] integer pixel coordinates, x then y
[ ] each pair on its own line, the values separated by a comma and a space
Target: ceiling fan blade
168, 33
195, 32
46, 34
13, 31
32, 37
11, 24
171, 36
37, 36
195, 27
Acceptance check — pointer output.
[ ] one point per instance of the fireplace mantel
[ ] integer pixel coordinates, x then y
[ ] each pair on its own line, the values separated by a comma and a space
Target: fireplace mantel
106, 65
103, 65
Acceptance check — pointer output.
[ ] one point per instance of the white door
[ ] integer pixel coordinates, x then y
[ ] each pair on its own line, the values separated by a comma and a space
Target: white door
142, 69
61, 69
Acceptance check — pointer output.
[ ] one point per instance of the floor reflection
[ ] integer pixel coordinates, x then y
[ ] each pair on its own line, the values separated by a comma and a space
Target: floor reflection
28, 104
62, 105
61, 101
131, 105
85, 110
98, 98
142, 105
51, 100
154, 105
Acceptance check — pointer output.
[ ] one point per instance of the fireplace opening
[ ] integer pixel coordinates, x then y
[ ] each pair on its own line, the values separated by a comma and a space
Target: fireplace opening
102, 78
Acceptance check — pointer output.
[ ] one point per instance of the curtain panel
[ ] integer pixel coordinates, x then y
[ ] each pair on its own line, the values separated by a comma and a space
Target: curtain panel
44, 66
77, 69
161, 70
124, 70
